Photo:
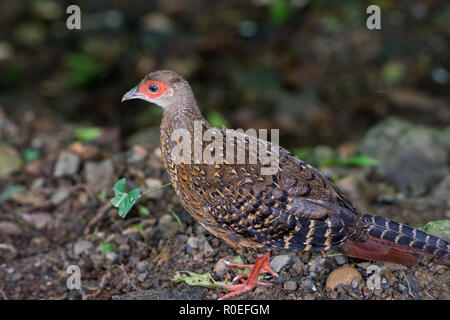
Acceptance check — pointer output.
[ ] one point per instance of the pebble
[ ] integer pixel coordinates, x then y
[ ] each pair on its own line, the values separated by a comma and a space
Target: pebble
10, 160
40, 241
290, 285
342, 275
220, 268
208, 251
308, 284
413, 282
153, 183
112, 256
67, 164
165, 219
297, 268
341, 259
99, 174
142, 266
193, 242
61, 194
402, 288
82, 246
355, 283
278, 262
7, 227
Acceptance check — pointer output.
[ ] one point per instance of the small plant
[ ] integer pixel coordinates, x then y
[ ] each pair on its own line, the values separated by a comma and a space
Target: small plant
124, 201
195, 279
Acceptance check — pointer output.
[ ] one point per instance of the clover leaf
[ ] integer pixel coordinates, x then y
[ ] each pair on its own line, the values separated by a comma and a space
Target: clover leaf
122, 200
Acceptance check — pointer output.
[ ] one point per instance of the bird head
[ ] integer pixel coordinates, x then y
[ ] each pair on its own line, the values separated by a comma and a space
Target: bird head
163, 87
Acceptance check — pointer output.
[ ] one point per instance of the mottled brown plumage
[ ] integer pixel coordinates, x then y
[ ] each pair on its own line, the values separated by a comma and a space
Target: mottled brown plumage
296, 208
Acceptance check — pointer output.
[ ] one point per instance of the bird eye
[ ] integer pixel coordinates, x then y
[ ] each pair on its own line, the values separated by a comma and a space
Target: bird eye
153, 88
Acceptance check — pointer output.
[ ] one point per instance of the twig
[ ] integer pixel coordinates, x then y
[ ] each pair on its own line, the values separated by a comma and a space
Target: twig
2, 293
9, 247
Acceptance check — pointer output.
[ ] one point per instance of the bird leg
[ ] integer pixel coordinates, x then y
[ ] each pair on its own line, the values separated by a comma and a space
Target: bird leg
249, 281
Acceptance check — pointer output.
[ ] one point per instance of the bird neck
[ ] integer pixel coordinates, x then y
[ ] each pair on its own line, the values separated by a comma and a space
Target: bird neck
186, 117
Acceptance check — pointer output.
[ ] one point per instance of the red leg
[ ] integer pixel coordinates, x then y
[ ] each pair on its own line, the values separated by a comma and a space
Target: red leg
249, 281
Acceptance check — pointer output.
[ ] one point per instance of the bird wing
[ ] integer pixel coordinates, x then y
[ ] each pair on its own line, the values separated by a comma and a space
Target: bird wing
296, 207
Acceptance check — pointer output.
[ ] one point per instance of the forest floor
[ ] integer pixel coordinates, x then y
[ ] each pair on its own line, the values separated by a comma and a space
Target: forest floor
55, 212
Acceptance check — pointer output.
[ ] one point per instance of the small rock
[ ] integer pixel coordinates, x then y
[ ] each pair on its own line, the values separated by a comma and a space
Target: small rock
278, 262
154, 183
343, 275
99, 174
7, 227
290, 285
308, 284
402, 288
10, 160
193, 242
82, 246
112, 256
61, 194
297, 268
165, 219
142, 266
413, 282
355, 283
208, 251
40, 241
341, 259
67, 164
220, 267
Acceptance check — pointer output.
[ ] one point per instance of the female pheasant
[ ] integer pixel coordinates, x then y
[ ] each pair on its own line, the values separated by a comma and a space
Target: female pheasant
293, 207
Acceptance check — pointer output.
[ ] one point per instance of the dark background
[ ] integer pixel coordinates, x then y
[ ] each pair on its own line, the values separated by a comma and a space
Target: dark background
310, 68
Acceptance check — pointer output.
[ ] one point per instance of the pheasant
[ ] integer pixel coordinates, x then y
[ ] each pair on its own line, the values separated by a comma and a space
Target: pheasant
294, 207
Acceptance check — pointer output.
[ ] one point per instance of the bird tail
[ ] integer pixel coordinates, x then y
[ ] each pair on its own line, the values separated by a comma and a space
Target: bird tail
391, 241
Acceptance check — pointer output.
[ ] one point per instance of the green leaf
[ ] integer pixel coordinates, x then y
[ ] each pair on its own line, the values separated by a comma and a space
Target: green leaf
440, 228
143, 211
30, 154
87, 133
122, 200
195, 279
393, 73
102, 195
8, 192
106, 247
279, 11
138, 227
217, 120
356, 161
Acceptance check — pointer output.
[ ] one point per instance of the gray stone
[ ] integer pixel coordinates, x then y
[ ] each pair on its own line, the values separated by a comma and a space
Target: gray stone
408, 154
82, 246
99, 174
10, 228
142, 266
220, 267
154, 183
290, 285
279, 262
67, 164
341, 259
61, 194
10, 160
112, 256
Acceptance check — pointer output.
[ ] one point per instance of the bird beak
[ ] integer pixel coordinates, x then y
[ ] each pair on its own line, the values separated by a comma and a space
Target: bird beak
132, 94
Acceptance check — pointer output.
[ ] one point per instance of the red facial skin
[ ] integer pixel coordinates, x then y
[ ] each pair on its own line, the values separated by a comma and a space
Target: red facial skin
162, 87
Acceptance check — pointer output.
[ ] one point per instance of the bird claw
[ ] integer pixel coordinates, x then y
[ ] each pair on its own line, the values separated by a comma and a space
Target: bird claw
249, 281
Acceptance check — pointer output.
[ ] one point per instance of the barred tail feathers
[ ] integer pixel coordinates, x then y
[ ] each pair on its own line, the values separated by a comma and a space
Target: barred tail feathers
391, 241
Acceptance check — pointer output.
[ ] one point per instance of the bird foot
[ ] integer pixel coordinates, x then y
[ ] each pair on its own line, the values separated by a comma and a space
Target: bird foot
249, 281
